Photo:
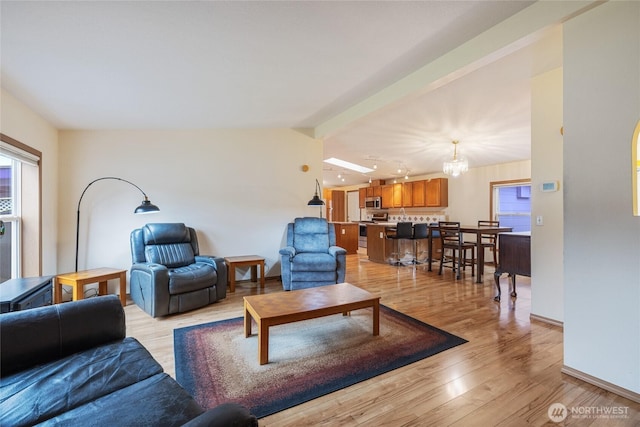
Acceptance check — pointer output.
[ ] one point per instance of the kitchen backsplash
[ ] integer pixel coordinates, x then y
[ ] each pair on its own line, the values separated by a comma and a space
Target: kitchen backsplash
414, 216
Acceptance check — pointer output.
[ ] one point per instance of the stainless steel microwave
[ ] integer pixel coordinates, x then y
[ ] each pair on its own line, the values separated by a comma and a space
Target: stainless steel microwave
373, 203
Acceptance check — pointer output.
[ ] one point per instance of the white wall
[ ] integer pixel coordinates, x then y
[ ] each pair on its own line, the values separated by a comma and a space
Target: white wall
237, 188
546, 165
469, 193
601, 236
22, 124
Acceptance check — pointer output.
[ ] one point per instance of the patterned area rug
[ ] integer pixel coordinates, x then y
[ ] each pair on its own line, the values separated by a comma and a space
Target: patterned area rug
215, 363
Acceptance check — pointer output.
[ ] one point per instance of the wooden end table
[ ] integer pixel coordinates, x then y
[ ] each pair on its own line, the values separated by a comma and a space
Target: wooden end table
252, 261
77, 280
292, 306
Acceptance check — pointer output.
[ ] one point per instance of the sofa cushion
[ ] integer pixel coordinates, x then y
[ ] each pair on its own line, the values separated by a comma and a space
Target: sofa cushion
44, 391
192, 278
155, 401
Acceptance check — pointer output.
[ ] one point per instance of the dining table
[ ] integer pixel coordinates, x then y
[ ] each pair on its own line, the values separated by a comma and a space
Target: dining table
478, 231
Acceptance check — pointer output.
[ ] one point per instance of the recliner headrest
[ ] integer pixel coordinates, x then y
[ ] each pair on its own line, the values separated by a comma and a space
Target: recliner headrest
163, 233
311, 226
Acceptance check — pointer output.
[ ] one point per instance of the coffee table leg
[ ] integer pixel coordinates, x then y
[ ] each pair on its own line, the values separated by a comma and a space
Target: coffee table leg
376, 318
263, 343
247, 322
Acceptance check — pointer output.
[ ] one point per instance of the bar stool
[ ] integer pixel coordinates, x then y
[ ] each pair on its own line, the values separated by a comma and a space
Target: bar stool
404, 231
420, 232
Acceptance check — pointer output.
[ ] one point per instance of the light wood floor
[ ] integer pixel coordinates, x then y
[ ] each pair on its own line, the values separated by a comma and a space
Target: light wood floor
508, 374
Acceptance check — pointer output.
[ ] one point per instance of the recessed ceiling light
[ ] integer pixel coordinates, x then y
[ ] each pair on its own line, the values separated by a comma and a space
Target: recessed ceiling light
348, 165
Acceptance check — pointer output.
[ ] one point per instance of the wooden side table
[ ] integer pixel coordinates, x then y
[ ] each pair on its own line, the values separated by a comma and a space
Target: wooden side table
243, 261
77, 280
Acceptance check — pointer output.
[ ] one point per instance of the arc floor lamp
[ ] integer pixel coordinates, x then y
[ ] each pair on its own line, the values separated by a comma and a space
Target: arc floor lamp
145, 207
316, 200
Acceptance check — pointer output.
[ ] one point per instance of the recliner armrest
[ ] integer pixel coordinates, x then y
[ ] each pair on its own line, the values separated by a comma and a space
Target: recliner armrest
221, 268
337, 250
157, 273
288, 250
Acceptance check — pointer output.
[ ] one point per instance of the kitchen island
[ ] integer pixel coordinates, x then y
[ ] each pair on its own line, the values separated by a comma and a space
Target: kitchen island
380, 249
347, 235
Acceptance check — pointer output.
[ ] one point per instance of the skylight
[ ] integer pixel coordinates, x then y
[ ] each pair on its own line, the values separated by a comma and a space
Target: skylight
348, 165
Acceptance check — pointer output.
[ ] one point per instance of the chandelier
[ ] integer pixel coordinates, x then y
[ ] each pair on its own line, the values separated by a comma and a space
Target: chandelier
456, 166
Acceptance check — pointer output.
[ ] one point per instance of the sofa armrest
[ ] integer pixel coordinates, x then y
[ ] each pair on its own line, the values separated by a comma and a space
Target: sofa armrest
224, 415
43, 334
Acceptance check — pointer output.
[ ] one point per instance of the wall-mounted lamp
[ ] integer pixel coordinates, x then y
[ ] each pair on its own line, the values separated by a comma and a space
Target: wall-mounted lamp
145, 207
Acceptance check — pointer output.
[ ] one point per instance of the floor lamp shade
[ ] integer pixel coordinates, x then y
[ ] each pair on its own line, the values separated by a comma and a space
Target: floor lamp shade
316, 200
145, 207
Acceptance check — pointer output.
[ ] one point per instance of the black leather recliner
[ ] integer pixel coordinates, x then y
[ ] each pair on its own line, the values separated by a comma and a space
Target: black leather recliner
169, 275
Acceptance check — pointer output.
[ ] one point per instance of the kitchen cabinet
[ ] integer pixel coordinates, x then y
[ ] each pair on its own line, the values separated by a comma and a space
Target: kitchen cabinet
407, 194
437, 192
397, 195
362, 195
433, 193
347, 236
371, 191
419, 194
386, 192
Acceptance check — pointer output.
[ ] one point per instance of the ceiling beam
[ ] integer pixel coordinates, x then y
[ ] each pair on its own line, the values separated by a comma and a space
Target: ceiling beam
512, 34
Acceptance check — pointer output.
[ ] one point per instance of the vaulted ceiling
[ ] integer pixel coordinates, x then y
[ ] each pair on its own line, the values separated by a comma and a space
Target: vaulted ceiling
294, 64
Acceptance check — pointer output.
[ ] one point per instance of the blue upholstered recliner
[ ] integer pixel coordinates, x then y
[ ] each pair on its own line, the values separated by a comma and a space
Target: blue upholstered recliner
168, 274
311, 257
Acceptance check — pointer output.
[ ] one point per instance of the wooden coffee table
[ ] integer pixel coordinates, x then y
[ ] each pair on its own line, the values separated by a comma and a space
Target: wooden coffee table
292, 306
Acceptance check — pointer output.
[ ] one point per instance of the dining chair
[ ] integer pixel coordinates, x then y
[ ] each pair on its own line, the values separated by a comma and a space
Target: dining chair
490, 240
404, 231
452, 242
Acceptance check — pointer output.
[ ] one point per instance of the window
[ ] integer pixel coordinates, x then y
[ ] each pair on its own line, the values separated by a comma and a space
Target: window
10, 217
19, 205
511, 204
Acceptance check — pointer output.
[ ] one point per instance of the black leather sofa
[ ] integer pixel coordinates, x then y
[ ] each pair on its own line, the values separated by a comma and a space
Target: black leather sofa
71, 364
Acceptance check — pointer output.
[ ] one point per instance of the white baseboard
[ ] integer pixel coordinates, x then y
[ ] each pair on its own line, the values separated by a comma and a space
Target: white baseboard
546, 320
628, 394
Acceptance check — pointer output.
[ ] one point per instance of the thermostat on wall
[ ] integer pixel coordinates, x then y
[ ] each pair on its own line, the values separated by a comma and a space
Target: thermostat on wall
549, 186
